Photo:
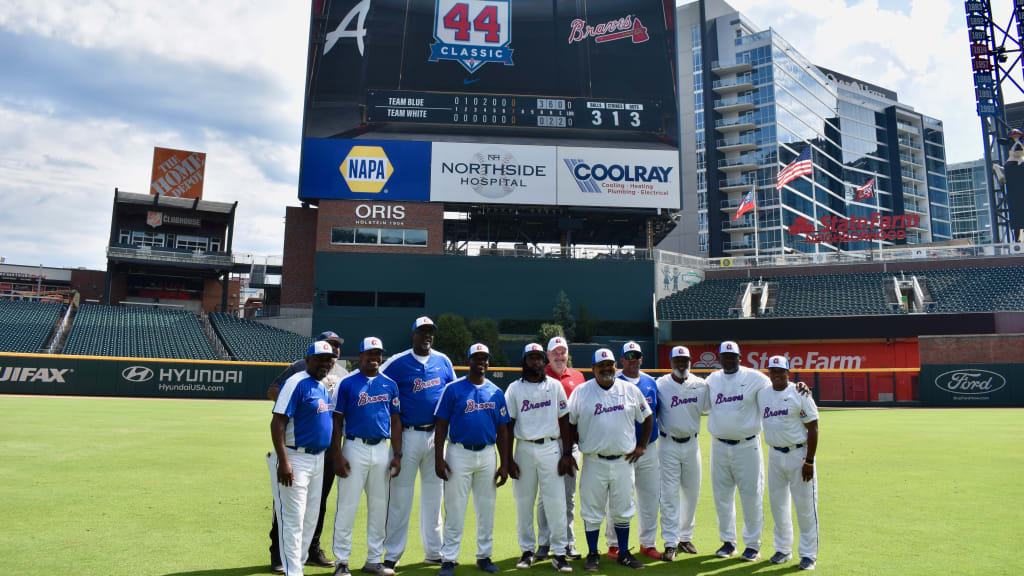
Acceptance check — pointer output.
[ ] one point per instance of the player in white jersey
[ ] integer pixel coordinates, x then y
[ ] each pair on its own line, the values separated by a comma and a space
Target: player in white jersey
603, 412
682, 398
540, 420
791, 429
736, 461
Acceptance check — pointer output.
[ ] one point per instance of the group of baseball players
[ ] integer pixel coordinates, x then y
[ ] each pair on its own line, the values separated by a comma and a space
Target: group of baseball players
622, 433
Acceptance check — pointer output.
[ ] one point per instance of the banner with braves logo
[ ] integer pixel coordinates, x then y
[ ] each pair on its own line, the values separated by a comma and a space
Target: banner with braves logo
492, 173
808, 355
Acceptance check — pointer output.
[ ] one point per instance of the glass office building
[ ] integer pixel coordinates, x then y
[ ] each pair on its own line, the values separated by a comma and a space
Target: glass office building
756, 105
969, 211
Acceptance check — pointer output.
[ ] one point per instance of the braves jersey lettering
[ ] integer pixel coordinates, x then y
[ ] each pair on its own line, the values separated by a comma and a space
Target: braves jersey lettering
419, 384
322, 407
599, 409
472, 406
721, 398
784, 414
527, 405
365, 398
769, 413
677, 401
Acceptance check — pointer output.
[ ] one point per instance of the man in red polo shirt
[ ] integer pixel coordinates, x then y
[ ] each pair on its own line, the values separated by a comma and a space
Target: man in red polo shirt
558, 368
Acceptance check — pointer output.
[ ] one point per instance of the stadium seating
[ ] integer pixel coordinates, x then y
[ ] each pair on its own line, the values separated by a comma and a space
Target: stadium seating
710, 299
137, 332
27, 324
976, 289
256, 342
857, 294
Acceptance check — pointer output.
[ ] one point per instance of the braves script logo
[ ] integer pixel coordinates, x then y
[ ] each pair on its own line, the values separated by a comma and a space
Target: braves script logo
723, 399
677, 401
626, 27
769, 413
321, 406
970, 381
527, 405
602, 409
365, 398
419, 384
472, 406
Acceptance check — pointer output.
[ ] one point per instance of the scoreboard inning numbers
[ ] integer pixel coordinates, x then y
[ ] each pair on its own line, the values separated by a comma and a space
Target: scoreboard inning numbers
514, 111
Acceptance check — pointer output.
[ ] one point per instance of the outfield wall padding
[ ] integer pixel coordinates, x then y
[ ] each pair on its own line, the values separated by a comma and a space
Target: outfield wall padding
141, 377
972, 385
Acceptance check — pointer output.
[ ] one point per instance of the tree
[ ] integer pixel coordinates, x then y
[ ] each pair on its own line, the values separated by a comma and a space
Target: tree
586, 325
562, 315
453, 337
547, 332
486, 330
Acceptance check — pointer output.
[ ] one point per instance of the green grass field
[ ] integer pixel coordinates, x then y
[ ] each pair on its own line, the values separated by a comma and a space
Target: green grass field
139, 486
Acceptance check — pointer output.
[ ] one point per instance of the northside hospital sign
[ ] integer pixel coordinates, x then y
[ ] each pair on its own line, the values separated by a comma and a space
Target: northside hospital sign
855, 229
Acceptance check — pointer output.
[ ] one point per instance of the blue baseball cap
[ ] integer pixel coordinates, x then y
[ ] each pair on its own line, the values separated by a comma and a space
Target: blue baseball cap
321, 347
371, 343
603, 355
329, 336
533, 347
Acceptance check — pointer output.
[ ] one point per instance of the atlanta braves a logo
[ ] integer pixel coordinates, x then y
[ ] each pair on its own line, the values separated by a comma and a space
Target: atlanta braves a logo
472, 32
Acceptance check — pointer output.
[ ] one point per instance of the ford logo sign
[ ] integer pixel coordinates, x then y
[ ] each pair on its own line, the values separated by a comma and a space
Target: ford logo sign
137, 374
970, 382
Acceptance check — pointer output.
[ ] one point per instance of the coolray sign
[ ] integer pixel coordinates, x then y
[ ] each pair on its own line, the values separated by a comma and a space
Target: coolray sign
492, 173
618, 178
855, 229
472, 32
365, 169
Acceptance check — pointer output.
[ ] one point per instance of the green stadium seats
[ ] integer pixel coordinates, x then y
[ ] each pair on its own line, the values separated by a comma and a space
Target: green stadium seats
256, 342
137, 332
27, 324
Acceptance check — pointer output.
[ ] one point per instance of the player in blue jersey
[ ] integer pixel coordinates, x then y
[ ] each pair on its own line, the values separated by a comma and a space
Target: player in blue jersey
366, 409
421, 373
646, 470
301, 432
473, 416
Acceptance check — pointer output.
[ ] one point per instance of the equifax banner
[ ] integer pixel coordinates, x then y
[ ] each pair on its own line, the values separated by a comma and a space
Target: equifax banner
618, 178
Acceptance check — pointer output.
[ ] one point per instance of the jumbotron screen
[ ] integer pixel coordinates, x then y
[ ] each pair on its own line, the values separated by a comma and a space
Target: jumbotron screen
564, 68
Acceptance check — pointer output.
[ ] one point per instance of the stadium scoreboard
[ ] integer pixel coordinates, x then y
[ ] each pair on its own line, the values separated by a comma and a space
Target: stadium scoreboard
509, 110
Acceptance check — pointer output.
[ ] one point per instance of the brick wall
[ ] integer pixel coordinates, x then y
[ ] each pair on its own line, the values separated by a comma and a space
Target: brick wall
378, 214
980, 348
299, 256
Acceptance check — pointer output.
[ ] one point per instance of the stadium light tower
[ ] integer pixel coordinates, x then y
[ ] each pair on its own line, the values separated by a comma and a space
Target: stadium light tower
992, 47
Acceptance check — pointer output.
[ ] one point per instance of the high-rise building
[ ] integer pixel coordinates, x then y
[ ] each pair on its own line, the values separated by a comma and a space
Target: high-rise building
756, 105
969, 203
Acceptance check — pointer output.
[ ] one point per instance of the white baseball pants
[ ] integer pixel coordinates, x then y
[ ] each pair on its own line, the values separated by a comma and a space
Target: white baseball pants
606, 482
680, 475
647, 478
470, 472
543, 532
368, 470
785, 479
738, 467
538, 471
417, 456
297, 506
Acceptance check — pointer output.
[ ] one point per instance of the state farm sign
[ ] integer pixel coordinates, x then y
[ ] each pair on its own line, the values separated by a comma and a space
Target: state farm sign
810, 355
855, 229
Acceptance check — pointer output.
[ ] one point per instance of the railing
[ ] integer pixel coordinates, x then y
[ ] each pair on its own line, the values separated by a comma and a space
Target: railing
747, 119
738, 81
737, 182
211, 336
903, 253
740, 60
166, 255
748, 99
742, 160
575, 252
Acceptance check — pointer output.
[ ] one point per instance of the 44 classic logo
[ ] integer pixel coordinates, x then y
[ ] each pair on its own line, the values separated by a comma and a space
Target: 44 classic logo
366, 169
472, 32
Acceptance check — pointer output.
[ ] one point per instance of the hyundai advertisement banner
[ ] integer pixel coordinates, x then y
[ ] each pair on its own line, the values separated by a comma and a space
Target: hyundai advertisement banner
618, 178
365, 169
492, 173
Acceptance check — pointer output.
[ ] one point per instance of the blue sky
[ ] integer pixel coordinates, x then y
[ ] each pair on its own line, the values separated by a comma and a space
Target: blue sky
88, 88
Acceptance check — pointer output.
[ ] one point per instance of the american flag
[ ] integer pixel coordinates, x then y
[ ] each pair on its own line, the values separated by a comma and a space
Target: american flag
866, 191
746, 205
802, 166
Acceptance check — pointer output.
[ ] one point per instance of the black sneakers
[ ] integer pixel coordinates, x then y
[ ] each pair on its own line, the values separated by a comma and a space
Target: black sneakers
561, 564
687, 547
525, 561
318, 558
542, 552
727, 550
447, 569
806, 563
572, 553
750, 555
627, 560
780, 558
592, 563
342, 570
669, 554
486, 565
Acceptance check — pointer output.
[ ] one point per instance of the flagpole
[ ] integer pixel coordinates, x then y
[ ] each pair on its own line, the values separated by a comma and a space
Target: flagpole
756, 238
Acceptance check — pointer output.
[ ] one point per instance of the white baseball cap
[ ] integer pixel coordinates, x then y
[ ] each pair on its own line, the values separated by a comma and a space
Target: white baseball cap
321, 347
680, 351
603, 355
556, 342
478, 348
778, 362
371, 343
533, 347
423, 321
729, 347
631, 347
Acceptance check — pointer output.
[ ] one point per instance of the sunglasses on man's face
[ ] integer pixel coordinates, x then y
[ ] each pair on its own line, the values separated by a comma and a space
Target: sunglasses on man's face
633, 356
